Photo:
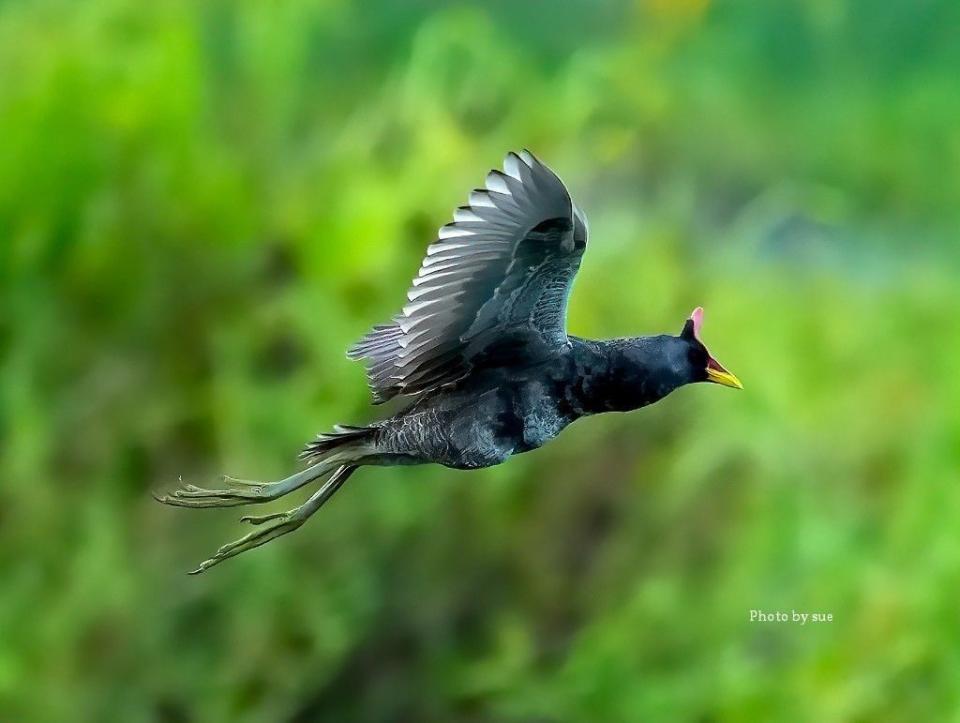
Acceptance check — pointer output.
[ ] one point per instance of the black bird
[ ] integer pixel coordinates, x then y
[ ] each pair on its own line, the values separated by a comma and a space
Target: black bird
482, 349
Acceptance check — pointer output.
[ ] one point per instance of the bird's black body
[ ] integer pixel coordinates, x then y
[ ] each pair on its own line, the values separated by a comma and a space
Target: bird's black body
482, 351
520, 402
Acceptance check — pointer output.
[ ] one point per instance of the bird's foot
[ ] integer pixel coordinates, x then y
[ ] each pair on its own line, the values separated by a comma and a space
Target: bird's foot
287, 522
235, 492
240, 491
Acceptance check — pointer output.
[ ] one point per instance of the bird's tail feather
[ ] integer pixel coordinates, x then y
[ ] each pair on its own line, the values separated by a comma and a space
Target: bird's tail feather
343, 445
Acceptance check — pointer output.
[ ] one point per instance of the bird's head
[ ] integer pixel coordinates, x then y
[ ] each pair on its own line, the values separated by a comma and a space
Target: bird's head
697, 364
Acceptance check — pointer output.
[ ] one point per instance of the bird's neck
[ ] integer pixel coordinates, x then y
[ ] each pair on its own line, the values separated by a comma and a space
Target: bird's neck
611, 376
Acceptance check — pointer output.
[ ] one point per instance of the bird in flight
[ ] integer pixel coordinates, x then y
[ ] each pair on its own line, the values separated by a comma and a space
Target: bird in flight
482, 351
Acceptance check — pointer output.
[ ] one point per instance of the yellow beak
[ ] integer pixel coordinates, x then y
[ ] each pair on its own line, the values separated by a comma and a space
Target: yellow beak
718, 375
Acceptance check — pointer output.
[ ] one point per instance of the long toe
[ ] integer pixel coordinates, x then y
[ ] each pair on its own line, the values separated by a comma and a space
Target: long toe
260, 519
237, 482
251, 493
288, 522
197, 503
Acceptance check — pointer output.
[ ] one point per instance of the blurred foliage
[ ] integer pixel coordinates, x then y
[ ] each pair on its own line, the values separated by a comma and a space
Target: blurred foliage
202, 204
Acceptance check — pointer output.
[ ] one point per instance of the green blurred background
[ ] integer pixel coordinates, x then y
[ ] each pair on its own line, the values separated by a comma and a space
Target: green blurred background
202, 204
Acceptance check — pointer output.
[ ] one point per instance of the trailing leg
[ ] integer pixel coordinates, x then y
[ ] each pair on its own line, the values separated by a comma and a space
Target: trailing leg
346, 445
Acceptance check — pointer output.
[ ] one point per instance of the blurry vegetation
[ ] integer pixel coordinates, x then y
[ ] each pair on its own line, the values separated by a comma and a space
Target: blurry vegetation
203, 203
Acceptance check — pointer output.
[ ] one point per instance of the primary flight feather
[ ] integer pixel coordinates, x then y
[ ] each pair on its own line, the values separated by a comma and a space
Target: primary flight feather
482, 350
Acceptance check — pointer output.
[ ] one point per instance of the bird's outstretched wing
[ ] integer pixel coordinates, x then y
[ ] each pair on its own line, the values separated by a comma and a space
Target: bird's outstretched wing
504, 266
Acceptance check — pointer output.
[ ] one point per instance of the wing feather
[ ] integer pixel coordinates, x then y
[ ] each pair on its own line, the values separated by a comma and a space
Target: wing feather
504, 265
